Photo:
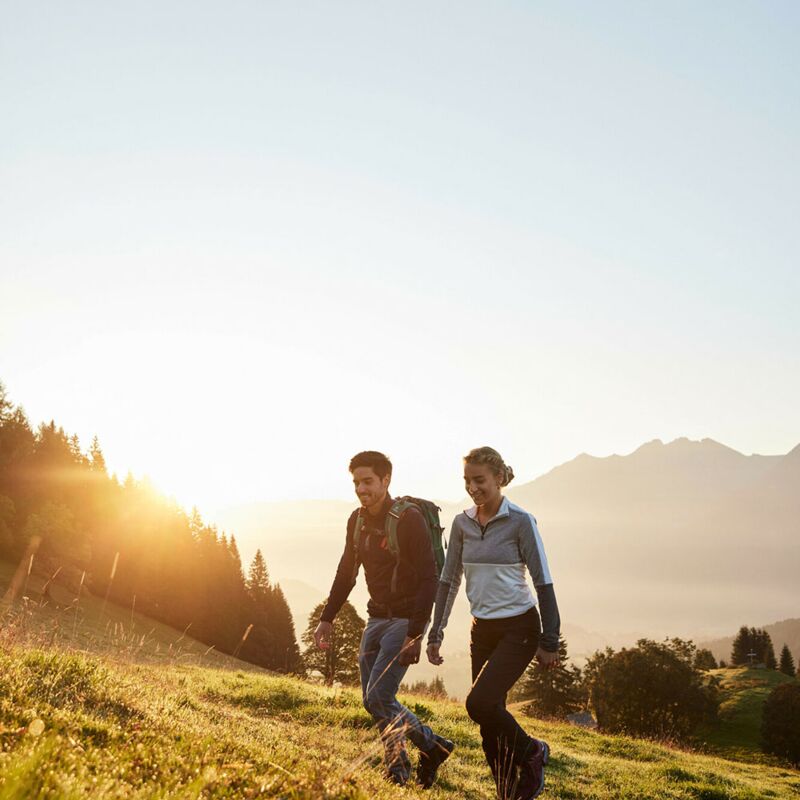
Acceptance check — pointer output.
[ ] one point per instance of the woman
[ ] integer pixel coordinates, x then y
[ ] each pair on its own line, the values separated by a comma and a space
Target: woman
493, 543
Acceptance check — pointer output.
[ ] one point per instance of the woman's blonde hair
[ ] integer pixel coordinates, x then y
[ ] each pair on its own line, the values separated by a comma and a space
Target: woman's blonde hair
492, 459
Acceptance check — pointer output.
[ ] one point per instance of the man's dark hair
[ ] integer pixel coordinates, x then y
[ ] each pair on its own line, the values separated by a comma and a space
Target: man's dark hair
376, 461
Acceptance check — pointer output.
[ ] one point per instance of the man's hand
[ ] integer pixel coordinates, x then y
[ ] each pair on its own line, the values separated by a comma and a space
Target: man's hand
322, 635
433, 654
409, 652
546, 659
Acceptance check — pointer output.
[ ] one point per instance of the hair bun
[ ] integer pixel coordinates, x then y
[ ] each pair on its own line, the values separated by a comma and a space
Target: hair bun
509, 475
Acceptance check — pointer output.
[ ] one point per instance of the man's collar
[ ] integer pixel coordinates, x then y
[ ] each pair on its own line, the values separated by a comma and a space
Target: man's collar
503, 511
382, 511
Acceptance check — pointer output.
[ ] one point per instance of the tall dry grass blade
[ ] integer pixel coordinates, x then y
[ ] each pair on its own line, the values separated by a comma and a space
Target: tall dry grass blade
46, 587
20, 578
373, 749
110, 581
388, 667
77, 606
242, 640
30, 569
183, 635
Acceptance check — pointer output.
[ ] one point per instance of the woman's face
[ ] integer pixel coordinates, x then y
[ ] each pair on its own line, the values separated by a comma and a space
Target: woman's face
483, 486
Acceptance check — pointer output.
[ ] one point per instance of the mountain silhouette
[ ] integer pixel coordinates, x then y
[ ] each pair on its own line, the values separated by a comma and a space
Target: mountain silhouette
687, 538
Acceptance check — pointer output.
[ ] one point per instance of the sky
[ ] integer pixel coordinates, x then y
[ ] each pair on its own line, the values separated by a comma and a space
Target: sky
241, 243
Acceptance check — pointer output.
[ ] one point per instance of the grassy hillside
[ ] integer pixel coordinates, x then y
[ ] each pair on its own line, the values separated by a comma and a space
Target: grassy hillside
744, 690
785, 632
105, 703
76, 725
88, 623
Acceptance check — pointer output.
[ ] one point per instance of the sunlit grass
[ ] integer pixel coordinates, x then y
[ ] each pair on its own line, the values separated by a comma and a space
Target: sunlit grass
113, 729
81, 621
117, 706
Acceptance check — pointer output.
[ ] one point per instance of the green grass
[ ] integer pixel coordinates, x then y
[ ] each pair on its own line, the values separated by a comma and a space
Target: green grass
738, 733
120, 707
119, 729
89, 624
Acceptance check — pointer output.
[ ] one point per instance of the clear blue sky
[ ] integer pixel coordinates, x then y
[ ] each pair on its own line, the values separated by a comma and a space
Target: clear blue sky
241, 242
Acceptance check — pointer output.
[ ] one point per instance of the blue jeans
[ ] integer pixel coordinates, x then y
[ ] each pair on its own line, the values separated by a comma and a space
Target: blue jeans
381, 673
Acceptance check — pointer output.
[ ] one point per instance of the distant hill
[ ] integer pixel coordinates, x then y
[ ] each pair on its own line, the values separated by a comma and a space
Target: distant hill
673, 537
688, 538
737, 734
785, 632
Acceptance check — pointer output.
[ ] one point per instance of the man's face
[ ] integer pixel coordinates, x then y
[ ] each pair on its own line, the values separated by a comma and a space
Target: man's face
370, 489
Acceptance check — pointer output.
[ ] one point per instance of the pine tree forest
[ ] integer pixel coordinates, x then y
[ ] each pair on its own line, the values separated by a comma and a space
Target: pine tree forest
60, 507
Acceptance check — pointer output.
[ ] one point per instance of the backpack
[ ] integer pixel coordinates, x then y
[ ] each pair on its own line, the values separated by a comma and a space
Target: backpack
430, 513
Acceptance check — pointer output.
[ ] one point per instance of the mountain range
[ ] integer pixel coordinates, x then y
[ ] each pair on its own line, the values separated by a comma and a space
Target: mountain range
688, 538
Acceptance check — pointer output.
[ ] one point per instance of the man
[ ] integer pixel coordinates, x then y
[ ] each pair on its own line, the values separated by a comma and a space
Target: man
401, 591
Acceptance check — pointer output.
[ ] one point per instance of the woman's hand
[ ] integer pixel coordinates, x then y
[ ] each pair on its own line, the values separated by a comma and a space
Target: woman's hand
433, 654
546, 659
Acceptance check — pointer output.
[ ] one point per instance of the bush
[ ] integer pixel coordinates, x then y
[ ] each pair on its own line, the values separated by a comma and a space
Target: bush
780, 728
652, 690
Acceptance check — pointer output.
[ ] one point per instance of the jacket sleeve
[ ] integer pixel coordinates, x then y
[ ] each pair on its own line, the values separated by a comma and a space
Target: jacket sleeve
532, 550
414, 538
448, 584
346, 574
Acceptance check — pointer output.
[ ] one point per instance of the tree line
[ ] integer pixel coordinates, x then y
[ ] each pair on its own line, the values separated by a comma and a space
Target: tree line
124, 540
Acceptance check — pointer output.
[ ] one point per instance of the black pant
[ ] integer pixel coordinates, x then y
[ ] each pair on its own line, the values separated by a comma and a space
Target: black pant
501, 649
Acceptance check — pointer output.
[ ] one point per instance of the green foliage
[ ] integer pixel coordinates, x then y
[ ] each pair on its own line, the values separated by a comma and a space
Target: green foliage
780, 729
756, 641
704, 660
551, 693
339, 663
435, 688
652, 690
787, 662
7, 512
135, 546
132, 730
737, 731
271, 642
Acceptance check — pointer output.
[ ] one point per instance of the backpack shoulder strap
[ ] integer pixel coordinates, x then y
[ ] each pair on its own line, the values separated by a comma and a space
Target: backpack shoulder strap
399, 507
359, 527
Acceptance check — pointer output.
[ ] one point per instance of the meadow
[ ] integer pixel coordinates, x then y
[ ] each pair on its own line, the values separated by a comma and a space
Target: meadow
103, 703
81, 725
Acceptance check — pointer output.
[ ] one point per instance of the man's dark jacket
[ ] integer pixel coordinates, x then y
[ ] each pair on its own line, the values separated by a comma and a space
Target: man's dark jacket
416, 572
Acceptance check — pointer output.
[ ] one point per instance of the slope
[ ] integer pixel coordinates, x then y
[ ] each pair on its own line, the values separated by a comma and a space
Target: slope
76, 725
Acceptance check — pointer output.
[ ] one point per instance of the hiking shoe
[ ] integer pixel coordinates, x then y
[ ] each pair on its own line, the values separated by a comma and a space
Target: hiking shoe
396, 778
431, 760
531, 773
399, 769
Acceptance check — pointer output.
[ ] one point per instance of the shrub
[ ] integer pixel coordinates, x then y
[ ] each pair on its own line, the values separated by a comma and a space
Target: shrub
780, 728
652, 690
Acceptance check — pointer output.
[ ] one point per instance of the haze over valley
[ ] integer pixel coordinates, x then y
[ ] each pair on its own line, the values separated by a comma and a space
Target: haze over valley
689, 538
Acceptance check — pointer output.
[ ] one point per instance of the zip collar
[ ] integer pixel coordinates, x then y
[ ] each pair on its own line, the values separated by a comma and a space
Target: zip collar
503, 511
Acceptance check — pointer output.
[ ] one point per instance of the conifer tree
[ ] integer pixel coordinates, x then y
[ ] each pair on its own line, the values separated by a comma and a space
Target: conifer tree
285, 656
96, 457
769, 654
787, 662
741, 647
551, 693
756, 641
704, 659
